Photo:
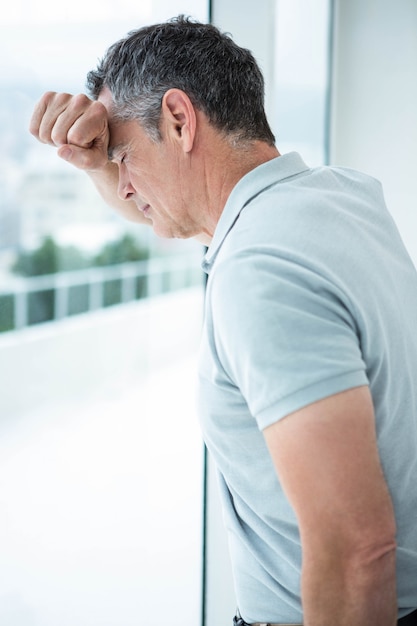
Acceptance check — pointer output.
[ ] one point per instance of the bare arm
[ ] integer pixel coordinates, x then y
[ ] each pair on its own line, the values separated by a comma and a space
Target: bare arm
327, 460
78, 127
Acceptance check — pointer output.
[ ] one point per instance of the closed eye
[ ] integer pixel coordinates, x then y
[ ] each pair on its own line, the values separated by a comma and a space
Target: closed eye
114, 154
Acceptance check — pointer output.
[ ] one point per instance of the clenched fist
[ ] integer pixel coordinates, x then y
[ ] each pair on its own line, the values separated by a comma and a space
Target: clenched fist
76, 125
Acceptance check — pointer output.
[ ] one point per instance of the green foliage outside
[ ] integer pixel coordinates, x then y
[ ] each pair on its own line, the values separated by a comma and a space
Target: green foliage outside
124, 250
50, 258
6, 313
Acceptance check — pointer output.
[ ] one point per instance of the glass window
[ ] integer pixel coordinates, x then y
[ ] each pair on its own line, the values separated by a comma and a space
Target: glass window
290, 40
100, 450
301, 78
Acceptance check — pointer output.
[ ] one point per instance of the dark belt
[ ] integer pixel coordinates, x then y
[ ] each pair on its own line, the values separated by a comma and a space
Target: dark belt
407, 620
238, 621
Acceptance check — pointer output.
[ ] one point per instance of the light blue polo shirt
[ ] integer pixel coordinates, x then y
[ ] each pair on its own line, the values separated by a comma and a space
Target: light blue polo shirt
310, 292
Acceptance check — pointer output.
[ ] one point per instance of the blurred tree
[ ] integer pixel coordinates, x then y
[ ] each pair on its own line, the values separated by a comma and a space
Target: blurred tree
50, 258
124, 250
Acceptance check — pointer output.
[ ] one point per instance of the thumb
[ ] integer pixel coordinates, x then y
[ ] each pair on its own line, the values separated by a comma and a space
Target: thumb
83, 158
65, 153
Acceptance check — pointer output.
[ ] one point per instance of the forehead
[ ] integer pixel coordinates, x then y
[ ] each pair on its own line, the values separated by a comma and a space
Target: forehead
121, 133
106, 98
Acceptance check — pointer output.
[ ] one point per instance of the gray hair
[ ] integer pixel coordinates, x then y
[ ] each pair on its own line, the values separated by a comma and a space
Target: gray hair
221, 79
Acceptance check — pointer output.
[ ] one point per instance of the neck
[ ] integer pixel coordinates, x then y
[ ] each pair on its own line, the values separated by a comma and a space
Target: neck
224, 168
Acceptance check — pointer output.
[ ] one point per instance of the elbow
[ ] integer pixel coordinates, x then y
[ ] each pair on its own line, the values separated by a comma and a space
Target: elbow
352, 548
377, 540
370, 558
376, 550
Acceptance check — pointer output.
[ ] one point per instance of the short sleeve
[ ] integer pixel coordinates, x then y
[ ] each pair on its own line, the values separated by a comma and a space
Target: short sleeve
285, 335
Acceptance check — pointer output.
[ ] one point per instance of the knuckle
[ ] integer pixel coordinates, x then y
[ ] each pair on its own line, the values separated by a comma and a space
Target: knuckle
58, 135
48, 96
60, 100
34, 127
98, 114
55, 102
80, 101
77, 136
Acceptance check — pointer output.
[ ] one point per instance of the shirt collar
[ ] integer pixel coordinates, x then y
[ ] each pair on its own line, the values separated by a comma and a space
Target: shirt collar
250, 186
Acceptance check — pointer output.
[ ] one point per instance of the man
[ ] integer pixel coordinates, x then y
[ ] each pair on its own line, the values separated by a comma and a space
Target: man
309, 351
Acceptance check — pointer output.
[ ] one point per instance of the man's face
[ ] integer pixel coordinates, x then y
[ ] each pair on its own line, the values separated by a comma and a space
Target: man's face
155, 175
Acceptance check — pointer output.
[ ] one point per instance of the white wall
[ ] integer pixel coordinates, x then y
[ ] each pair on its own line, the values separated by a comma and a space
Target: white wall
374, 100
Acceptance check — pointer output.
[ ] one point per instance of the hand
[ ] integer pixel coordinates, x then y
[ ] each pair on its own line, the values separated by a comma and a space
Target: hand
76, 125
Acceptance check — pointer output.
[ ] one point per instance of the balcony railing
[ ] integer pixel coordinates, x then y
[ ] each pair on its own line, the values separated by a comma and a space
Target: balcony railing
28, 301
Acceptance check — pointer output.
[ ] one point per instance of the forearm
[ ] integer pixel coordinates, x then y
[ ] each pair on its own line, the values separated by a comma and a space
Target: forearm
359, 592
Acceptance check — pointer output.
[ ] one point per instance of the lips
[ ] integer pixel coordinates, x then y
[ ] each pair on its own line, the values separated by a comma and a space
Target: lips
145, 208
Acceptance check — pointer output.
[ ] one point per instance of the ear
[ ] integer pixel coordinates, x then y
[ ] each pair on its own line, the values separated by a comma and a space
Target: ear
180, 117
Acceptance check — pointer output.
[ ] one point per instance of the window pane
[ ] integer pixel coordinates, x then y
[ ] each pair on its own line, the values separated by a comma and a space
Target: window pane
100, 450
289, 39
301, 78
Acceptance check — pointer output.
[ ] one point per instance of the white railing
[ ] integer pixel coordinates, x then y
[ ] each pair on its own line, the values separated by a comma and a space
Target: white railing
28, 301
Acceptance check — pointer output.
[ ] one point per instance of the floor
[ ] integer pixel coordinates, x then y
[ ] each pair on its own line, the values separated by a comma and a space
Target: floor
100, 508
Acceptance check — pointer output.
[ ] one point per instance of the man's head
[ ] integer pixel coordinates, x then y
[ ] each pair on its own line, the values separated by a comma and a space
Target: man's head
221, 79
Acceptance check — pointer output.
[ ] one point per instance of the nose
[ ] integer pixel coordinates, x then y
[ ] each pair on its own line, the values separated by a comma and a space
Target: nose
125, 189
